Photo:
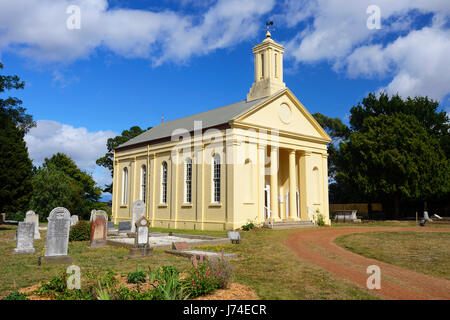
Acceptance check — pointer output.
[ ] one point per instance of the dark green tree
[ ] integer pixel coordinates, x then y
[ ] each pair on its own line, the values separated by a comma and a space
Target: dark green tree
338, 132
393, 157
62, 162
425, 110
107, 160
16, 173
53, 188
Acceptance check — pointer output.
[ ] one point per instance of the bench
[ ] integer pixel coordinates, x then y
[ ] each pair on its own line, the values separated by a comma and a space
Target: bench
346, 216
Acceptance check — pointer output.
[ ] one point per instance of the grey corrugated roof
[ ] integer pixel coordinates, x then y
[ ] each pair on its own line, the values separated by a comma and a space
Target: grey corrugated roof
209, 119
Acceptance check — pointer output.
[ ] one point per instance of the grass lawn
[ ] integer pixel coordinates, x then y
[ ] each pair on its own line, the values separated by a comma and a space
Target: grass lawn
423, 252
389, 223
264, 264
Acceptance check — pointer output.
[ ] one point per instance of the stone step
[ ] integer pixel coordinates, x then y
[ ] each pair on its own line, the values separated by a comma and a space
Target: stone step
289, 224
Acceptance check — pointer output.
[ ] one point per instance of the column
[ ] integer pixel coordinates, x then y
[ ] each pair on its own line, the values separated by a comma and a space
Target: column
326, 210
274, 184
292, 188
261, 180
304, 178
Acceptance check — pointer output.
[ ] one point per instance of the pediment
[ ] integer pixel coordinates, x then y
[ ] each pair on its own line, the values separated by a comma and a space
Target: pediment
284, 112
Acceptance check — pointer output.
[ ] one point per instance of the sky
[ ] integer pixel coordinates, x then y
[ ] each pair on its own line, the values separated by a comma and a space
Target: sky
93, 68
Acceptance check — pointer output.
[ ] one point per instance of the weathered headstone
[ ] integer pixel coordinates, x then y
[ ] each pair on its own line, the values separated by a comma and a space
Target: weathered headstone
234, 236
92, 215
25, 238
141, 246
58, 236
180, 246
32, 217
124, 226
102, 213
2, 218
73, 220
98, 232
138, 211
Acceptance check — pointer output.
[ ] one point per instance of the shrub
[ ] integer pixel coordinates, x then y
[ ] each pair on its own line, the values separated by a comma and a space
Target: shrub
81, 231
222, 271
16, 296
320, 220
169, 284
200, 280
248, 226
137, 276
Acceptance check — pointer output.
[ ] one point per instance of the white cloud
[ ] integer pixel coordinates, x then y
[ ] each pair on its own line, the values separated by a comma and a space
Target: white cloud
37, 29
416, 63
84, 147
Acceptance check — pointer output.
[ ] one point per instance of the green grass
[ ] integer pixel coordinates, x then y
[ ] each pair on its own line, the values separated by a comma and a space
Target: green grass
389, 223
264, 263
425, 252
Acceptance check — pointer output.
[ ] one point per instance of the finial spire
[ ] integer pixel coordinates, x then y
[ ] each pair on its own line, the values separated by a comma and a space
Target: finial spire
268, 24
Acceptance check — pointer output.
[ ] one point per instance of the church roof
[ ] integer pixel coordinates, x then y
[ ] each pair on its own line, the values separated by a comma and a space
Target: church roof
210, 118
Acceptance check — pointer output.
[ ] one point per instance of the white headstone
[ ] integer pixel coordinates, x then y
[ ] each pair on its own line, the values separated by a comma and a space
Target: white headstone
73, 220
142, 232
58, 232
92, 215
138, 211
31, 216
25, 238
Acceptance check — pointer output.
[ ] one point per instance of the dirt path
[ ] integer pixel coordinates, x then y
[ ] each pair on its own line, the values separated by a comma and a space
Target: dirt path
317, 246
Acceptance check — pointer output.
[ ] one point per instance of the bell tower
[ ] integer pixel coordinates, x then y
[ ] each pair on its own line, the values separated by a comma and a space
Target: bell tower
268, 69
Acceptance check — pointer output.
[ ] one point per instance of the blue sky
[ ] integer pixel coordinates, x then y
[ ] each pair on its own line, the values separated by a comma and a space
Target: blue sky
132, 61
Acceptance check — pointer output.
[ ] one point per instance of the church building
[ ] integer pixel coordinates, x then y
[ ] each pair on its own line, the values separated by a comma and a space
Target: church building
263, 159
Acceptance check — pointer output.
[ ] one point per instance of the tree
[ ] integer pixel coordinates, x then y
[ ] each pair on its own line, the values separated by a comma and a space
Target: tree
15, 164
338, 132
107, 160
16, 167
53, 188
425, 110
394, 157
62, 162
12, 106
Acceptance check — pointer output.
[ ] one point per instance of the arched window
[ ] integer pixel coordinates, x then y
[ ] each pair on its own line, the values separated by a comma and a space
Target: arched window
143, 182
216, 179
188, 181
124, 185
164, 182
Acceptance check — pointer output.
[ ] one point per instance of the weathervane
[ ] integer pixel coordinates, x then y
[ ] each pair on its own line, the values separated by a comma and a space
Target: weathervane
268, 24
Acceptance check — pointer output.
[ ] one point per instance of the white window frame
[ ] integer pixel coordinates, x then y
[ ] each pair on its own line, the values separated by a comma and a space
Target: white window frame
216, 179
188, 181
164, 173
144, 183
125, 186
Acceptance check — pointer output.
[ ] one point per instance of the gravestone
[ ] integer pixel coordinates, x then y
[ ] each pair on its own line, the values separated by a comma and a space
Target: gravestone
124, 226
25, 238
180, 246
234, 236
58, 236
73, 220
102, 213
138, 211
92, 215
141, 247
98, 232
32, 217
2, 218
